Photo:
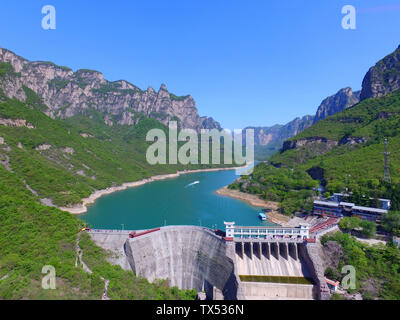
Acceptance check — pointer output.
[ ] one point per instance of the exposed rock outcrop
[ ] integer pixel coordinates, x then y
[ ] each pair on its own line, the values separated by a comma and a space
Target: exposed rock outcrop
43, 147
265, 135
343, 99
295, 144
383, 78
268, 140
67, 93
352, 140
16, 123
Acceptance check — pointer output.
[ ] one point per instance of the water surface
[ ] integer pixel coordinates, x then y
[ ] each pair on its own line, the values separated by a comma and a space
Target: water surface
173, 202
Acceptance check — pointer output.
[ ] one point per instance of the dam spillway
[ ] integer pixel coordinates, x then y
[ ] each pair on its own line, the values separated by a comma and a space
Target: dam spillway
270, 258
192, 257
273, 260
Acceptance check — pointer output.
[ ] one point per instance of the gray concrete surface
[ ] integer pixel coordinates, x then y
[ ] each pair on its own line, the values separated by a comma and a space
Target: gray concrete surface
114, 244
188, 256
277, 291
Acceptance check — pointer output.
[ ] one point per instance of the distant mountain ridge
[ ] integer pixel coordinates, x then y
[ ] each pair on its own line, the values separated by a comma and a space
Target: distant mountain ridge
268, 140
342, 100
67, 93
381, 79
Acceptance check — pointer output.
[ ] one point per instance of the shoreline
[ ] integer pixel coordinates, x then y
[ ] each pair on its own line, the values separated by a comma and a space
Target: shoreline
82, 208
274, 216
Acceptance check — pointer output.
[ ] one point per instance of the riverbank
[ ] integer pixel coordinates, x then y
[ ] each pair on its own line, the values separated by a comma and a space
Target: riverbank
82, 208
274, 216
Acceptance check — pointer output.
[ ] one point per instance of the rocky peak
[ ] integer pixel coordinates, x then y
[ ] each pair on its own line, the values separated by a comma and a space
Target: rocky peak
383, 78
343, 99
68, 93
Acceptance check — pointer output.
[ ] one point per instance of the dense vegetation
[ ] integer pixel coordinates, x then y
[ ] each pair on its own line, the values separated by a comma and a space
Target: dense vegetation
64, 161
351, 158
33, 235
292, 188
364, 227
377, 267
59, 163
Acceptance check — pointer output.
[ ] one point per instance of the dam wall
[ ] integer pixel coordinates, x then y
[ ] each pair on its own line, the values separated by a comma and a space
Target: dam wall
189, 257
113, 241
312, 257
192, 257
277, 291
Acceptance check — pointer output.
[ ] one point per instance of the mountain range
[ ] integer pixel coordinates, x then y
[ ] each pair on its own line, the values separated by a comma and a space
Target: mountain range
66, 94
381, 79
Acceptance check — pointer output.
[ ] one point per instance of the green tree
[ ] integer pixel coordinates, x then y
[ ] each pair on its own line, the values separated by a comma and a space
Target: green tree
368, 228
350, 223
391, 222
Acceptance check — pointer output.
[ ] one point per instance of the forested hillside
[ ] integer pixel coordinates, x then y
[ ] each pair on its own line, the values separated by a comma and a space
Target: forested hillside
33, 235
339, 152
48, 161
64, 161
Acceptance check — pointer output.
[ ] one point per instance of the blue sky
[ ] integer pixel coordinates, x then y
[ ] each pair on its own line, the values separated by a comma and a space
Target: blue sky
254, 62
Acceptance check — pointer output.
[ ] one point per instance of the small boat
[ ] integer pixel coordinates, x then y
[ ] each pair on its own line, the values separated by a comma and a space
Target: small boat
262, 216
192, 184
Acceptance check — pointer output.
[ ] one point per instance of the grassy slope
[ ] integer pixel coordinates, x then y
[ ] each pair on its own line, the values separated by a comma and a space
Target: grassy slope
363, 162
114, 155
377, 267
33, 235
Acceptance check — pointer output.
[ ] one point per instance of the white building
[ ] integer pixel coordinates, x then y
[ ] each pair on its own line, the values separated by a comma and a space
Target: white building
260, 232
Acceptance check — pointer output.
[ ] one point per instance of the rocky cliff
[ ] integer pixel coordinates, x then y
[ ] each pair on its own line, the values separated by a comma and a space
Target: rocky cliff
343, 99
67, 93
383, 78
268, 140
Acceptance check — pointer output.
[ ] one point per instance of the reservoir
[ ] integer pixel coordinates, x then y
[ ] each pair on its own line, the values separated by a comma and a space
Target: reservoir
189, 199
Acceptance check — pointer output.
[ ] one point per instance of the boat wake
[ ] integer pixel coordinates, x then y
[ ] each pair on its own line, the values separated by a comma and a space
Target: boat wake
192, 184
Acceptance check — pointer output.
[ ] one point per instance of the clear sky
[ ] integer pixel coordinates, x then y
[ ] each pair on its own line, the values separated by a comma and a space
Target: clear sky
254, 62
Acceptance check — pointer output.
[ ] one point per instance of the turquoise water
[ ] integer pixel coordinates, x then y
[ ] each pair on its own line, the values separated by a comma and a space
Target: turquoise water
173, 202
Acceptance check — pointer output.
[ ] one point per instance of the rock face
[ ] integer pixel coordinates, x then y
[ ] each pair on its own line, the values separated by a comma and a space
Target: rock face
67, 93
295, 144
272, 138
16, 123
314, 258
268, 140
383, 78
189, 257
265, 135
343, 99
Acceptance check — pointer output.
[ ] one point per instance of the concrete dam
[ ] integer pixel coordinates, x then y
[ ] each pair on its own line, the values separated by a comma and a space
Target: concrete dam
188, 256
192, 257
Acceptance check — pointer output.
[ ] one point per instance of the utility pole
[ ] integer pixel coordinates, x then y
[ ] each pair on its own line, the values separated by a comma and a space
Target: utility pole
386, 175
